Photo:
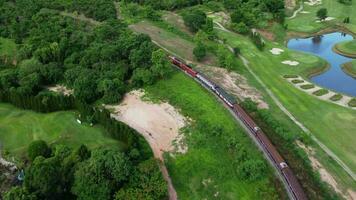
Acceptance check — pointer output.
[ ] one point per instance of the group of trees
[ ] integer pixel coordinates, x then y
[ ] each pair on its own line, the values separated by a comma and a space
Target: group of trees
60, 172
99, 63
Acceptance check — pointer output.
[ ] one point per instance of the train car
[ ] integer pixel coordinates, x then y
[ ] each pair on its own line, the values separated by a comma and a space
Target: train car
246, 119
186, 68
229, 100
206, 81
293, 183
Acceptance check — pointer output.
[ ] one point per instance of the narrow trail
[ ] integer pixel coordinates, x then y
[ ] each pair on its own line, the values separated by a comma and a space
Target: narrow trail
329, 152
297, 11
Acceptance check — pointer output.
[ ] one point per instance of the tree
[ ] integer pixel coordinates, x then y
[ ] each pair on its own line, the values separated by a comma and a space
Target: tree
38, 148
43, 178
100, 175
322, 13
160, 64
199, 51
19, 193
194, 19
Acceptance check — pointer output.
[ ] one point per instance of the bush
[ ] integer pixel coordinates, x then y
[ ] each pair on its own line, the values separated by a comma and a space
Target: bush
336, 97
241, 28
352, 102
307, 86
290, 76
38, 148
296, 81
321, 92
199, 51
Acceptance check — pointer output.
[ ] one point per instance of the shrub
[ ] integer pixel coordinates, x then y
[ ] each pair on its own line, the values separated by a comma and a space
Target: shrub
290, 76
296, 81
199, 51
38, 148
307, 86
336, 97
241, 28
321, 92
352, 102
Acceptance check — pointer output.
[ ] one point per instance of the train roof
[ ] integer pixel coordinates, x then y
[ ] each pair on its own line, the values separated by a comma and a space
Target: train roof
226, 95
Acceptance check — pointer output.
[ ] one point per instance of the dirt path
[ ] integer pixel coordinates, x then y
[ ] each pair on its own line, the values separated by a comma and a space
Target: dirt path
159, 124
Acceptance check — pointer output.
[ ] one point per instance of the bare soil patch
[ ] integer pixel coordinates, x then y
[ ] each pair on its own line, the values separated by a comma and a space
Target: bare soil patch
159, 123
234, 83
176, 20
324, 174
61, 89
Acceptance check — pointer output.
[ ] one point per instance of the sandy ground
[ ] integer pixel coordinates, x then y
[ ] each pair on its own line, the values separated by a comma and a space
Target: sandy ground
158, 123
324, 174
342, 102
290, 62
290, 4
61, 89
276, 51
235, 84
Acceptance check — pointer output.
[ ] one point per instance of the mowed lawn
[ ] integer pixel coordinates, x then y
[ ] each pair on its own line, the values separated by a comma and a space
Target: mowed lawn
20, 127
333, 125
208, 166
306, 22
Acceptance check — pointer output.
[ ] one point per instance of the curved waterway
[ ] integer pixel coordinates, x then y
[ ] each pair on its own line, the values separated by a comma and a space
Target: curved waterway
334, 79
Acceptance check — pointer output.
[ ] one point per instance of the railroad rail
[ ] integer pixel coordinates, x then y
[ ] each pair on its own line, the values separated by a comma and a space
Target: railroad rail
292, 185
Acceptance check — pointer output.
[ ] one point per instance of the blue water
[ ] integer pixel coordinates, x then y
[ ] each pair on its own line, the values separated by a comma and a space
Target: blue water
334, 79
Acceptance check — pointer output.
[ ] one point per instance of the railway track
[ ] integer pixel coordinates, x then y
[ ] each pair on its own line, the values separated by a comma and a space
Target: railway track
289, 180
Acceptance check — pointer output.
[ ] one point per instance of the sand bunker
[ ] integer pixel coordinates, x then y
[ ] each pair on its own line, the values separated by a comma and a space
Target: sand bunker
313, 2
290, 62
304, 12
61, 89
276, 51
158, 123
326, 19
324, 174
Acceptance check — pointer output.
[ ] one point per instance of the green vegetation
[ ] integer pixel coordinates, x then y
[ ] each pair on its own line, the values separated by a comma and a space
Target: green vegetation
307, 86
336, 97
350, 68
297, 81
214, 139
290, 76
19, 128
347, 48
306, 23
352, 102
321, 92
322, 13
78, 173
325, 126
8, 50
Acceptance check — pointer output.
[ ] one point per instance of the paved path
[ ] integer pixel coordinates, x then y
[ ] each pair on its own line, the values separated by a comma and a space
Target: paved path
297, 11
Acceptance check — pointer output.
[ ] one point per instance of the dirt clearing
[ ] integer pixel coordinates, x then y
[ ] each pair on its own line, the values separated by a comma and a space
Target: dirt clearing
61, 89
234, 83
158, 123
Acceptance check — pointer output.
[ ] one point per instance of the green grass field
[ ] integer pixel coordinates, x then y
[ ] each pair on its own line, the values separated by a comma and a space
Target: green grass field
19, 127
7, 49
207, 157
306, 22
331, 124
347, 48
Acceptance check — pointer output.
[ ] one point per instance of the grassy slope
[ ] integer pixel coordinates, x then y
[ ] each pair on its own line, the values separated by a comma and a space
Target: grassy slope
207, 157
19, 127
350, 68
306, 22
347, 48
7, 48
326, 121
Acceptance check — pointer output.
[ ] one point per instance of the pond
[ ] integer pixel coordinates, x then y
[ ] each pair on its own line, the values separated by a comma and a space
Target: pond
335, 78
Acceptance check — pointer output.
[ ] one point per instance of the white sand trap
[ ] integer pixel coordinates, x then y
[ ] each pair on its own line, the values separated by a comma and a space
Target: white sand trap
158, 123
276, 51
305, 12
290, 62
313, 2
326, 19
